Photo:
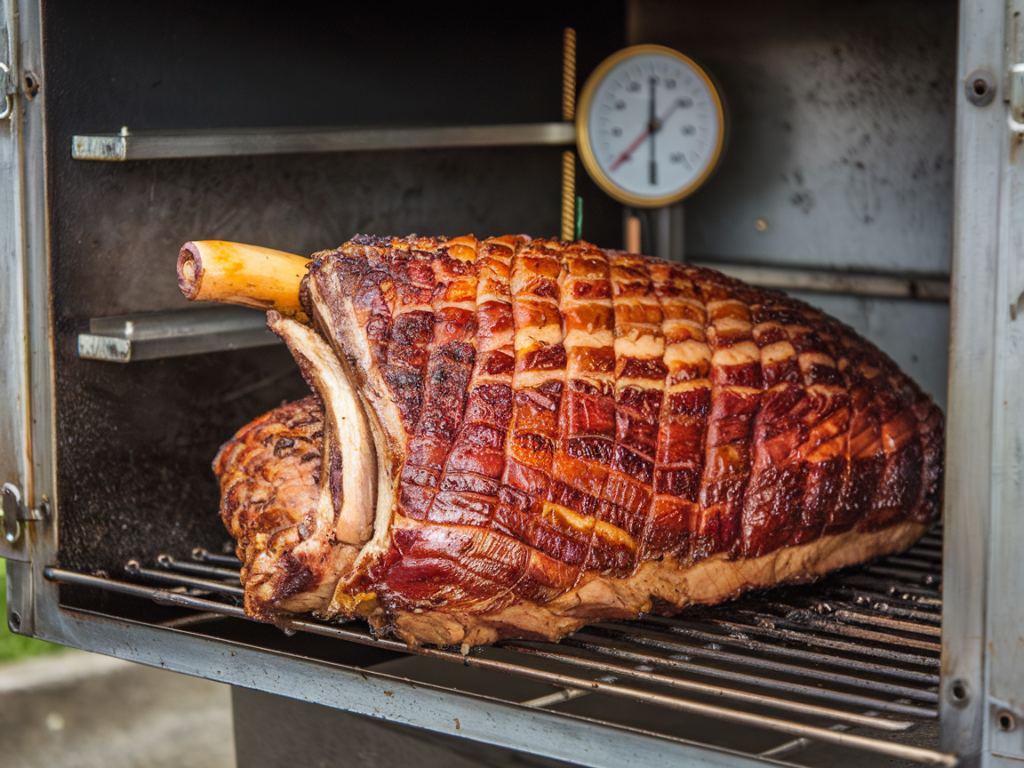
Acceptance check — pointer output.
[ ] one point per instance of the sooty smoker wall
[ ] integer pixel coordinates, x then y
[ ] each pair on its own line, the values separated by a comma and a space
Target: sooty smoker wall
135, 442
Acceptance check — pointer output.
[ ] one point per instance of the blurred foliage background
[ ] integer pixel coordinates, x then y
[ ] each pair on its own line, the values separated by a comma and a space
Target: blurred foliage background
14, 646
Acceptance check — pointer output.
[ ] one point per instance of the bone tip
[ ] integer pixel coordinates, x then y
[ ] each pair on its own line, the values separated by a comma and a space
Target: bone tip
190, 270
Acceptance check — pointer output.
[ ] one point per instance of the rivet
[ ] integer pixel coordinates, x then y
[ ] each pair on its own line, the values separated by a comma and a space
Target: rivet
959, 693
1006, 720
980, 87
761, 225
31, 83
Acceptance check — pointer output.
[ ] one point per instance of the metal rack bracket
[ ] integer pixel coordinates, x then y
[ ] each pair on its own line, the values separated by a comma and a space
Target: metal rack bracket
125, 338
161, 145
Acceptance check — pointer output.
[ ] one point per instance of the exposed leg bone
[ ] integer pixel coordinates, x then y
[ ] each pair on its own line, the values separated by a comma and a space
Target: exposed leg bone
234, 273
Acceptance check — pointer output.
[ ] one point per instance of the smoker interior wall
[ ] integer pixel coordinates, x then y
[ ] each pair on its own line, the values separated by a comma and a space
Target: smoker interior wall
135, 442
840, 147
841, 128
913, 333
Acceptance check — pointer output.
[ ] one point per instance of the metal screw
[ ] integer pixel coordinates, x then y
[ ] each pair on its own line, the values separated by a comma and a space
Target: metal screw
980, 87
761, 225
1007, 722
959, 692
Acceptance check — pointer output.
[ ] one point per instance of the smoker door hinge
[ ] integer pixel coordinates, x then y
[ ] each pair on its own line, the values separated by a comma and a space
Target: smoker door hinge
14, 513
1015, 71
6, 91
1016, 97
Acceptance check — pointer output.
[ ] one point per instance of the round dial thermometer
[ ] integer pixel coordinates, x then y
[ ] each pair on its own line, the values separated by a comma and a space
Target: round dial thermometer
650, 126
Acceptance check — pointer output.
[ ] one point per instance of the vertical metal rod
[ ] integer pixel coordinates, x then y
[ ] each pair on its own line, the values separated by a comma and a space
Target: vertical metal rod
668, 232
662, 226
568, 233
677, 228
568, 196
631, 231
569, 75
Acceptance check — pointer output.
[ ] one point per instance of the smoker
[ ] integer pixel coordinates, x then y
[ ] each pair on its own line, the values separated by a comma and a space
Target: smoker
873, 167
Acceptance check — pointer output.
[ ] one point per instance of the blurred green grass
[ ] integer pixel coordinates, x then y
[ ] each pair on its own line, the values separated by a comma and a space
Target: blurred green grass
14, 646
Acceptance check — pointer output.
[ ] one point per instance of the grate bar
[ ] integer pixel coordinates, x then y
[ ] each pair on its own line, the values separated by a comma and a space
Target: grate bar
909, 575
872, 616
543, 651
192, 620
931, 563
786, 748
802, 619
566, 694
134, 569
883, 604
862, 617
158, 596
197, 569
205, 556
929, 552
817, 657
888, 593
825, 642
679, 649
907, 592
855, 700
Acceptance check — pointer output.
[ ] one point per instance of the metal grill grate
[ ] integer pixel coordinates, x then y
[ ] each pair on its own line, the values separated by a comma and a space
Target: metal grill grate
858, 650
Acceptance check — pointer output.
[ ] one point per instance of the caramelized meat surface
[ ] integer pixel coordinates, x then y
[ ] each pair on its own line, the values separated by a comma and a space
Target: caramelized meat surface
565, 434
269, 475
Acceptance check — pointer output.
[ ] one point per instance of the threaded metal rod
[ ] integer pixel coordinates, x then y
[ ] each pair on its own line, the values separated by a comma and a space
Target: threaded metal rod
568, 114
568, 196
569, 74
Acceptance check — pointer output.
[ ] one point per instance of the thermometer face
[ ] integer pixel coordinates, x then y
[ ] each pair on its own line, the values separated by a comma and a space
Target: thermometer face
650, 126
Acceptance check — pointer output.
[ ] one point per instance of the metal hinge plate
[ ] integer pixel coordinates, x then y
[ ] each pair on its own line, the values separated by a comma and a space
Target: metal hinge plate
1016, 96
14, 514
5, 91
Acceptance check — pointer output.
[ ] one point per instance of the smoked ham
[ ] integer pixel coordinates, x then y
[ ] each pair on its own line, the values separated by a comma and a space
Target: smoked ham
516, 437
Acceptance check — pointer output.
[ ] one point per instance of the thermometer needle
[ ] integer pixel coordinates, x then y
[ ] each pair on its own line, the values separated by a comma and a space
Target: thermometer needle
629, 150
652, 127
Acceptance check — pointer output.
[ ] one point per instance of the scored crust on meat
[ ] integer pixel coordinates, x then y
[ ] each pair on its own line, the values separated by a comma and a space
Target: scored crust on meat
269, 478
562, 434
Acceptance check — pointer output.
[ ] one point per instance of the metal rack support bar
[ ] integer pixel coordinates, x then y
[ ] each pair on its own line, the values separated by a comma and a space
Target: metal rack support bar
152, 335
897, 286
164, 145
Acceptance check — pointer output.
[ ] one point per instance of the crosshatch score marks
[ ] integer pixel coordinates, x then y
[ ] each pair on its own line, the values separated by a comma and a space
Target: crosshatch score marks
565, 410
